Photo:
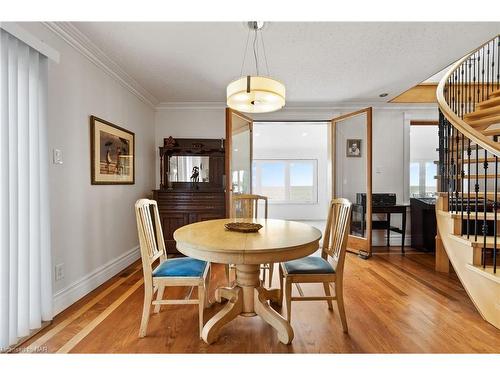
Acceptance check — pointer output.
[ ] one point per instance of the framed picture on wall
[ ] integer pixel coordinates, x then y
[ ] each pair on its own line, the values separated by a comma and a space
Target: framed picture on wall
112, 150
353, 149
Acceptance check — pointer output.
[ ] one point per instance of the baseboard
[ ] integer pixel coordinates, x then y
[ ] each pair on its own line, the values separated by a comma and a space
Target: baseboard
69, 295
381, 240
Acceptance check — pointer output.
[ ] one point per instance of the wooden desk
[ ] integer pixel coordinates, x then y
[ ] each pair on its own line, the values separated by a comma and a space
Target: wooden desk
385, 224
277, 241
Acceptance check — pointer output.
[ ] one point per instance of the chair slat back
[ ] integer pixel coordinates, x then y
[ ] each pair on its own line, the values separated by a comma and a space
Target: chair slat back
247, 206
150, 233
337, 232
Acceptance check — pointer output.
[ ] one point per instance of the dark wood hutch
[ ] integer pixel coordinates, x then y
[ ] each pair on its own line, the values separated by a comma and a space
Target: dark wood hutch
184, 197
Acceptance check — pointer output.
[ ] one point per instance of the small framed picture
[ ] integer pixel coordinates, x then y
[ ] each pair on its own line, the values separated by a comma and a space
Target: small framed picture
353, 149
112, 153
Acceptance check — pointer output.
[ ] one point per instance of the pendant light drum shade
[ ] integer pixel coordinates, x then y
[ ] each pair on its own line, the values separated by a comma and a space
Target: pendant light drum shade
256, 94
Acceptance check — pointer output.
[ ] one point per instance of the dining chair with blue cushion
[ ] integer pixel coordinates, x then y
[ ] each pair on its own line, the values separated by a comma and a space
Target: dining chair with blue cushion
327, 269
169, 272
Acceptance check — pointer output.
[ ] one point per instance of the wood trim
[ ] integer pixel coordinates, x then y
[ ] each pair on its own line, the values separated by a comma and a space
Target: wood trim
421, 93
424, 123
354, 241
442, 261
227, 160
227, 156
369, 191
349, 115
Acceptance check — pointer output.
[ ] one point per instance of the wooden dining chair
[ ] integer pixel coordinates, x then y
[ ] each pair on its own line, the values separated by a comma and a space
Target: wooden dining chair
326, 269
247, 206
183, 271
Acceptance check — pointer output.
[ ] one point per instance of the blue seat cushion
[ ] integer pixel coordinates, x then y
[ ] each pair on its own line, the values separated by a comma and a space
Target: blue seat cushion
308, 265
180, 267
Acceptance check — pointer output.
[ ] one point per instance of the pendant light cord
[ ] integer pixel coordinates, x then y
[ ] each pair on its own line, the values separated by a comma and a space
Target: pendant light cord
265, 56
245, 53
255, 52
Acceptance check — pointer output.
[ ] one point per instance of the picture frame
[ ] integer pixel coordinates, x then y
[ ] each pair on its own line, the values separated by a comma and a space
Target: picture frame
112, 153
353, 148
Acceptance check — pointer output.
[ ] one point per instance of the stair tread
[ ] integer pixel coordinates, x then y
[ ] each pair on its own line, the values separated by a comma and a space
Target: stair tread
473, 147
480, 240
495, 93
480, 194
480, 216
491, 132
490, 120
481, 113
479, 176
471, 161
489, 102
479, 161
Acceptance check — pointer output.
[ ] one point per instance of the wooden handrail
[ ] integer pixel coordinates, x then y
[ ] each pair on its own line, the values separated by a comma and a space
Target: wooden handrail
454, 119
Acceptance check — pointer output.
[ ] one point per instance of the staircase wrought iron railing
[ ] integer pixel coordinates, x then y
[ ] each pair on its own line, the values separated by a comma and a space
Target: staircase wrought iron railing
468, 157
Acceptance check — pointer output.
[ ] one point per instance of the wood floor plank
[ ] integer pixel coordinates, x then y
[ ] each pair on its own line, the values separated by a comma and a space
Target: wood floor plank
54, 330
90, 327
394, 304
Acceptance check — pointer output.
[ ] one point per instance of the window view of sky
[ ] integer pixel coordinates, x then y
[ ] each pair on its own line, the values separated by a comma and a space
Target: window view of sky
286, 180
273, 174
301, 174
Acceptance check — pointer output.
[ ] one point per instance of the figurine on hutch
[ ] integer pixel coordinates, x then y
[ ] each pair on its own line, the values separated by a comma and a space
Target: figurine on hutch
192, 184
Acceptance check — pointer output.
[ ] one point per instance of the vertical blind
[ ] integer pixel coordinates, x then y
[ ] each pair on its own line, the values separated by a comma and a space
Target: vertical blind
25, 260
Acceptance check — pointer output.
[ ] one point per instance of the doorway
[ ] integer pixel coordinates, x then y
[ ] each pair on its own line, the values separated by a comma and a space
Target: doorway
298, 165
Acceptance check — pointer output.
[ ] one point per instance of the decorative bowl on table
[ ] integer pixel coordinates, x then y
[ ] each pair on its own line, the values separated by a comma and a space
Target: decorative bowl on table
243, 227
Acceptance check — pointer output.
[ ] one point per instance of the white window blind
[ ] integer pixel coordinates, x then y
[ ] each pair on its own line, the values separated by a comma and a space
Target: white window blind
25, 260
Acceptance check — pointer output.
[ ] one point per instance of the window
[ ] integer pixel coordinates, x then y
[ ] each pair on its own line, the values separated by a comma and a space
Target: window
423, 144
286, 181
414, 179
422, 178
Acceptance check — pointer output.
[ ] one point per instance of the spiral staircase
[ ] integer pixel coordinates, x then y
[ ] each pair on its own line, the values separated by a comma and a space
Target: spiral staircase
467, 208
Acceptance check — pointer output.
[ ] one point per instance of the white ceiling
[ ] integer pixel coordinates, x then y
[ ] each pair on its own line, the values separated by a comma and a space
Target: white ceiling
320, 62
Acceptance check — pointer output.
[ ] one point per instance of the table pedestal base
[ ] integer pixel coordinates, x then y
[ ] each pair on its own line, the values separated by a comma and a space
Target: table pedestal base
247, 298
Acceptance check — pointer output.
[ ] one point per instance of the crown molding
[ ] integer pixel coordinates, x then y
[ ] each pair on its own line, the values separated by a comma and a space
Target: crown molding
190, 105
300, 106
87, 48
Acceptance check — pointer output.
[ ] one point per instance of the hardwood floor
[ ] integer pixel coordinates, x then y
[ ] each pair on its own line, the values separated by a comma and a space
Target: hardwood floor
394, 304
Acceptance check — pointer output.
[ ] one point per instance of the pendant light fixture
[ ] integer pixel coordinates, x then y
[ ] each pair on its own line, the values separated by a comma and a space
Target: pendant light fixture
255, 94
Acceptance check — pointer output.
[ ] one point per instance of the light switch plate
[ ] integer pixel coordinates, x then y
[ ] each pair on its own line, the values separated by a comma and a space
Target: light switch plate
58, 156
59, 271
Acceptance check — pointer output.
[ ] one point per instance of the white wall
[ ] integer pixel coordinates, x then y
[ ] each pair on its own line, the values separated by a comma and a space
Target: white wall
286, 141
390, 139
93, 227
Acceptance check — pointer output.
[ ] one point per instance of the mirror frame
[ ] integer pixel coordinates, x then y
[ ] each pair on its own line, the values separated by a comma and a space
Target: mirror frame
213, 148
363, 245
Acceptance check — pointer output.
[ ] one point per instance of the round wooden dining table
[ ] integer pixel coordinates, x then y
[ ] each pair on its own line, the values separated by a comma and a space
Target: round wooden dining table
276, 241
